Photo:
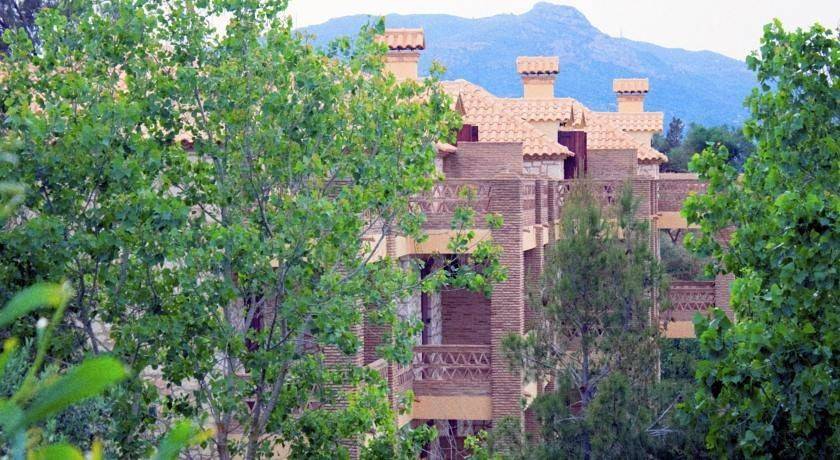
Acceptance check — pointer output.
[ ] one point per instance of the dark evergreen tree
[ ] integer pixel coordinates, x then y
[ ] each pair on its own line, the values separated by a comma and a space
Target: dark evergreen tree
674, 137
594, 338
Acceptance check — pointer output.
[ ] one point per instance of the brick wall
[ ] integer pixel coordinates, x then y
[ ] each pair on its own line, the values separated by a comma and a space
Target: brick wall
611, 164
506, 304
484, 160
723, 291
672, 193
533, 261
466, 317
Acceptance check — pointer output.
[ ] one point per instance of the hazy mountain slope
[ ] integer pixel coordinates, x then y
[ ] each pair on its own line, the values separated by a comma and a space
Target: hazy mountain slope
702, 87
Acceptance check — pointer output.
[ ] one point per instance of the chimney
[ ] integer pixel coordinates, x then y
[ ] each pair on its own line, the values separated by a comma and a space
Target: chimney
630, 94
538, 75
404, 46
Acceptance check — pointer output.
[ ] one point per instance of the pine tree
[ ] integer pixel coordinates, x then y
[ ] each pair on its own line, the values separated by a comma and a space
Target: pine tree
674, 137
594, 338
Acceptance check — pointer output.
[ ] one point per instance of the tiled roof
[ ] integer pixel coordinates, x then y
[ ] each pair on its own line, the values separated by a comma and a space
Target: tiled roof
495, 124
602, 134
634, 121
533, 65
648, 153
404, 39
631, 85
561, 109
446, 148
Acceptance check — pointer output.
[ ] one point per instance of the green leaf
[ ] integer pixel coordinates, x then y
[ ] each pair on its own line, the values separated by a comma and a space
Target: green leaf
40, 295
88, 379
181, 436
56, 451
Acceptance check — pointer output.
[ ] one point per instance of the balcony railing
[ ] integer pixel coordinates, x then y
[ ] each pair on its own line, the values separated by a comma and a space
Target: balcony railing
692, 295
688, 298
446, 370
672, 192
444, 198
607, 192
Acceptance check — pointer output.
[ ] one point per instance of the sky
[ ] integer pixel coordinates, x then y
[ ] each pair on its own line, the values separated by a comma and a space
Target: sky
729, 27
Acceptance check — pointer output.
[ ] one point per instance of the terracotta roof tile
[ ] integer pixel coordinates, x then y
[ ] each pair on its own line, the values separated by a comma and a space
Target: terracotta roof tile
563, 109
404, 39
445, 148
532, 65
648, 153
602, 134
631, 85
636, 121
495, 124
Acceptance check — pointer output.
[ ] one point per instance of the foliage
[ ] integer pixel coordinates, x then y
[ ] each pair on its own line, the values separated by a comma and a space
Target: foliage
680, 263
700, 137
20, 14
674, 136
678, 359
29, 400
768, 386
34, 399
207, 201
594, 340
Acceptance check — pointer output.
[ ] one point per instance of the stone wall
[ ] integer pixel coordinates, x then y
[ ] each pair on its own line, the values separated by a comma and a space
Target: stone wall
552, 169
435, 318
648, 170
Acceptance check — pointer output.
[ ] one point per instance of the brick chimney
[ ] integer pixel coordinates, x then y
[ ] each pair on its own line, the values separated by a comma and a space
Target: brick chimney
630, 94
538, 75
404, 46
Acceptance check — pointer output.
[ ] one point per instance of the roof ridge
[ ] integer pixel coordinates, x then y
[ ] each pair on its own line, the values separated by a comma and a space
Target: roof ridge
530, 134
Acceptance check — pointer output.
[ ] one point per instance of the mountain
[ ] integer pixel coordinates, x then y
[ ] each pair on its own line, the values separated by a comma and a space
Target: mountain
697, 86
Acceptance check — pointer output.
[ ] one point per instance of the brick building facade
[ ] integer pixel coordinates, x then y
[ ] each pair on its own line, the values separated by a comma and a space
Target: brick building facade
523, 155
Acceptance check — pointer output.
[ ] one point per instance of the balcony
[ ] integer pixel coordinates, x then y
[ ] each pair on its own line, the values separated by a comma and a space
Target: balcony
607, 191
688, 298
672, 190
439, 203
446, 370
451, 370
450, 382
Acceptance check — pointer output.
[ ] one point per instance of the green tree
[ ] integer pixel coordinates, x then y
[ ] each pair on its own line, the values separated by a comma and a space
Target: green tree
674, 136
700, 137
680, 263
594, 339
769, 386
34, 399
209, 196
20, 14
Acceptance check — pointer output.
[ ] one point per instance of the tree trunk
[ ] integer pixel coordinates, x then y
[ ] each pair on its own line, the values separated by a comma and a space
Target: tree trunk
584, 399
222, 444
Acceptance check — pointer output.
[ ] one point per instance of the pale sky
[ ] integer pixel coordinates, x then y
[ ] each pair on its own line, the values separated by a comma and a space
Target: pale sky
730, 27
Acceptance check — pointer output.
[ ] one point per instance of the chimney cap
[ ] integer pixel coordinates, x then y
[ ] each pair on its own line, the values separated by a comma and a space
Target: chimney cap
538, 65
404, 39
631, 85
